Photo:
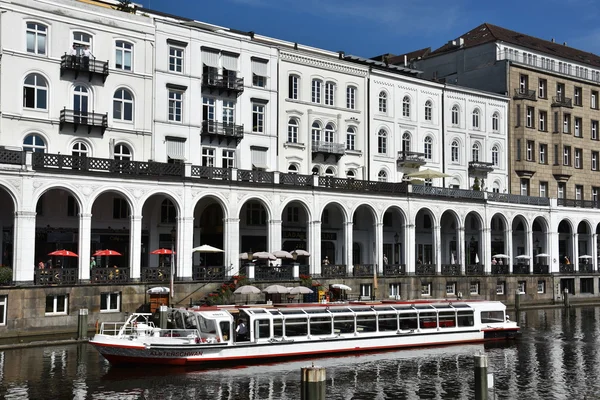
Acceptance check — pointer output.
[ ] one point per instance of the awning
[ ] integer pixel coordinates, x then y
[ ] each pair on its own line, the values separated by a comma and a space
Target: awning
260, 166
259, 68
230, 62
176, 149
210, 58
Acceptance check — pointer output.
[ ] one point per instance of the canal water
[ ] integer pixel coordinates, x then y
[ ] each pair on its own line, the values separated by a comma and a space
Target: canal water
557, 357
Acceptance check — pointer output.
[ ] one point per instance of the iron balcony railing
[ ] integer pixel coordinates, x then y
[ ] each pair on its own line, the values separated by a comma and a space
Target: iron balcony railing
425, 269
474, 269
500, 269
481, 167
222, 129
208, 273
521, 269
83, 118
333, 271
562, 101
328, 147
109, 275
448, 192
394, 270
518, 199
14, 157
211, 173
78, 64
411, 159
223, 82
525, 94
56, 276
296, 179
578, 203
451, 269
541, 269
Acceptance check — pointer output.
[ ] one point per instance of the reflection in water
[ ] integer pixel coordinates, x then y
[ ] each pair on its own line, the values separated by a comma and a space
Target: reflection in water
557, 357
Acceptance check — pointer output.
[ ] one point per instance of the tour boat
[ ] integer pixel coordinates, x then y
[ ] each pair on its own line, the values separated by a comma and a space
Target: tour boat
207, 335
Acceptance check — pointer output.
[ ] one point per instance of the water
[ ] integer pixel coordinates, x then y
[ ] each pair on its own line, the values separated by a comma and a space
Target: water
557, 357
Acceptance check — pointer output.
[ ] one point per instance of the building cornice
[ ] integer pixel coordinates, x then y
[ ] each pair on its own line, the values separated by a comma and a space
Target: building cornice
323, 64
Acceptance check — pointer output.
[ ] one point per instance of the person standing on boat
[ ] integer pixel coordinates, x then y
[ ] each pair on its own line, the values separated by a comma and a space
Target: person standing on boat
241, 332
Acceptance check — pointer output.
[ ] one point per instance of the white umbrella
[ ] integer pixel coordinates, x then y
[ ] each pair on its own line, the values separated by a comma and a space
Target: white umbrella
283, 254
476, 259
301, 253
247, 289
263, 255
452, 259
428, 174
341, 286
300, 290
246, 256
523, 257
585, 256
500, 256
275, 289
205, 248
158, 290
543, 255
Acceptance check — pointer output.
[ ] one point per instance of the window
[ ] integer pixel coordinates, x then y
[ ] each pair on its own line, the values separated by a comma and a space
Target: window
543, 92
566, 155
523, 84
121, 152
293, 214
317, 86
495, 156
176, 59
34, 143
57, 305
476, 118
79, 149
175, 105
330, 93
208, 110
595, 160
168, 212
406, 107
329, 172
110, 302
260, 71
406, 142
518, 116
258, 118
425, 288
428, 110
475, 152
496, 122
518, 155
316, 132
365, 290
36, 38
350, 138
454, 151
382, 142
123, 55
542, 121
427, 147
35, 92
228, 158
529, 117
120, 208
543, 189
382, 176
567, 123
455, 114
542, 154
594, 133
123, 105
329, 133
394, 290
350, 174
351, 97
577, 96
521, 287
578, 131
228, 112
292, 131
578, 192
577, 160
595, 195
293, 85
500, 287
560, 91
594, 100
524, 187
474, 288
560, 192
529, 150
450, 288
208, 157
80, 40
383, 102
292, 169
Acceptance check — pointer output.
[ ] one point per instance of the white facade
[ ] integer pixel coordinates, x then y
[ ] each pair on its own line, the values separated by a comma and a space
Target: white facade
65, 109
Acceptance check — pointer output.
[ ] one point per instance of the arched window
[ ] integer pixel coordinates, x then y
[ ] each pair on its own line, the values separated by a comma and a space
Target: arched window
122, 152
329, 133
329, 172
36, 38
475, 152
496, 187
382, 176
292, 169
427, 147
351, 138
476, 118
35, 92
315, 170
454, 151
80, 41
455, 115
496, 122
292, 131
317, 87
383, 102
316, 132
79, 149
495, 159
428, 110
406, 107
123, 55
123, 105
406, 142
168, 213
34, 143
382, 142
350, 174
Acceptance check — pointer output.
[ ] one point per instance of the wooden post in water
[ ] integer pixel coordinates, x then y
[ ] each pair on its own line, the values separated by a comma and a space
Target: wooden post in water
481, 377
566, 298
162, 317
82, 325
312, 386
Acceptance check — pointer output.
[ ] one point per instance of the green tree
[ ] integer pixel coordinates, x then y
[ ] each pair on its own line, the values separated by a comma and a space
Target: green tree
125, 6
476, 185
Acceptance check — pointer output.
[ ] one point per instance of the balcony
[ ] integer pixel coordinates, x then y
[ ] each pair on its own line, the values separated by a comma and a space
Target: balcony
578, 203
83, 119
328, 149
480, 168
76, 65
222, 131
411, 159
223, 84
524, 94
562, 101
425, 269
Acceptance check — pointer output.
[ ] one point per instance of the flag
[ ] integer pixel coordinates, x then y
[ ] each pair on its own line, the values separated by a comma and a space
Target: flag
476, 259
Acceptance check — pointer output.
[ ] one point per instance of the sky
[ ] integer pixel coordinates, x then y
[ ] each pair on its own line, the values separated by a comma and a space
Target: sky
372, 27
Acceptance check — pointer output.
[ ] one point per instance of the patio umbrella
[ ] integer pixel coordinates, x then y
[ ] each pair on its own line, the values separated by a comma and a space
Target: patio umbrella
300, 290
283, 254
543, 255
162, 251
301, 253
63, 254
428, 174
452, 259
263, 255
523, 257
586, 256
274, 289
341, 286
205, 248
106, 253
158, 290
247, 290
246, 256
476, 259
500, 256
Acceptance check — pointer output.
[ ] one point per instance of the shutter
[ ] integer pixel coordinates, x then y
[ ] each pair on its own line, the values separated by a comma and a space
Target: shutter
259, 68
230, 62
210, 58
259, 159
176, 149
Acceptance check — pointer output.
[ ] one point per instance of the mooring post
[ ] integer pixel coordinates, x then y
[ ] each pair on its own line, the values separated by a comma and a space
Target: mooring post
162, 317
82, 328
312, 386
517, 302
481, 377
566, 298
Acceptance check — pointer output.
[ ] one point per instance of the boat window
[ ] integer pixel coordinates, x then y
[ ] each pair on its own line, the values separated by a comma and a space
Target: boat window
384, 308
388, 322
492, 317
402, 308
366, 323
339, 310
461, 305
190, 321
343, 324
443, 306
320, 326
225, 327
296, 327
447, 319
408, 321
423, 306
465, 318
316, 311
361, 309
427, 320
287, 312
207, 325
262, 328
275, 312
278, 327
259, 311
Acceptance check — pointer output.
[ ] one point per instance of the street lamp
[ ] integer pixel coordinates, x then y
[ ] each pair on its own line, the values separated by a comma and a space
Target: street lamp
173, 237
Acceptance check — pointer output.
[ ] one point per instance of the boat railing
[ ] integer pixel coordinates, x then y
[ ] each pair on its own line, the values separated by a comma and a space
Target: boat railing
115, 328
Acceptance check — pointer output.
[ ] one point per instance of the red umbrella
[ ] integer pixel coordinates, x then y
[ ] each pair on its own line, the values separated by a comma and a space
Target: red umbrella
162, 251
106, 253
64, 253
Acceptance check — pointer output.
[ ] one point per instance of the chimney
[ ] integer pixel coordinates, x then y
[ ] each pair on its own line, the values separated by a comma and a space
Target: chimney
552, 40
461, 42
564, 43
295, 46
405, 60
341, 55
